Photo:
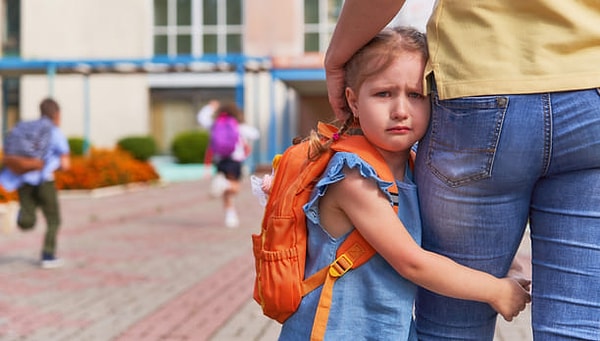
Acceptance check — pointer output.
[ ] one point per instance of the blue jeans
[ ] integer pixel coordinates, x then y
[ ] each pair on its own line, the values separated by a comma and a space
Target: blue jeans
488, 166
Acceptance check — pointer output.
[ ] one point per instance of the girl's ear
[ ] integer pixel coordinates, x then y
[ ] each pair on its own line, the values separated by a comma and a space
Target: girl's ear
352, 98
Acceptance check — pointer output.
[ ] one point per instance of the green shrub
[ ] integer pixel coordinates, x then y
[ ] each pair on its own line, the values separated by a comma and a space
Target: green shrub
76, 145
140, 147
190, 146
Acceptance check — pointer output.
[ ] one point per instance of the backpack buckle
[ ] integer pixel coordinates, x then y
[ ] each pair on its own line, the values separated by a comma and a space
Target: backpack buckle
340, 266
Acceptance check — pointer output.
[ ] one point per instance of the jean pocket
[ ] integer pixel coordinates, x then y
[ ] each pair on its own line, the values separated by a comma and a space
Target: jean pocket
464, 136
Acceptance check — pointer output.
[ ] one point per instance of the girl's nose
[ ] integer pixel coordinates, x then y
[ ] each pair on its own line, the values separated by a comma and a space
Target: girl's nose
399, 110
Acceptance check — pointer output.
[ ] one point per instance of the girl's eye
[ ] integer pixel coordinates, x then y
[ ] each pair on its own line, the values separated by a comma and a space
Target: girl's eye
415, 95
382, 94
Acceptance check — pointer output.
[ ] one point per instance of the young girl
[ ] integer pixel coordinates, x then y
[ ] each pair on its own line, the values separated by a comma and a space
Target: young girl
385, 95
226, 183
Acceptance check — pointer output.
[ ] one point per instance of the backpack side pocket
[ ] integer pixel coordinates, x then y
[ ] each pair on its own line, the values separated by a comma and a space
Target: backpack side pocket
279, 272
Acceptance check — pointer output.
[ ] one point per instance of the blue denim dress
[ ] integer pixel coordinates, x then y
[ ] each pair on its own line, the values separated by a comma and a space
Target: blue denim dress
372, 302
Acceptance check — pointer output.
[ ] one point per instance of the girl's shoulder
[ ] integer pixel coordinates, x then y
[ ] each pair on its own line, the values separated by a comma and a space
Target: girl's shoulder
346, 160
342, 162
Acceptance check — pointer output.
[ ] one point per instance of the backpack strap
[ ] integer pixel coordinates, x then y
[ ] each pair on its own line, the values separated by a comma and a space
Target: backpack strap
355, 250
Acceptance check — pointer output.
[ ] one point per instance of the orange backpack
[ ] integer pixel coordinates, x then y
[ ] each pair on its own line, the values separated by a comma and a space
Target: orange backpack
280, 248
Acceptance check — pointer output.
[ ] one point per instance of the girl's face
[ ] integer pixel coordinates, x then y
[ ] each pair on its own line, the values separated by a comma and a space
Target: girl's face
392, 110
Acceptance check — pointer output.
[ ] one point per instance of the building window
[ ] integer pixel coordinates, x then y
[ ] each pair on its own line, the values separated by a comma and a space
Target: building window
197, 27
320, 17
11, 40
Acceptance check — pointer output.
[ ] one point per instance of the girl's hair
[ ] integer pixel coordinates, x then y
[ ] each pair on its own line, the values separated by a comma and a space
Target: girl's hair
379, 53
232, 110
371, 59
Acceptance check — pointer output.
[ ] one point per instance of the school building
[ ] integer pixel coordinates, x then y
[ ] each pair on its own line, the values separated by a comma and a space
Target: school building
145, 67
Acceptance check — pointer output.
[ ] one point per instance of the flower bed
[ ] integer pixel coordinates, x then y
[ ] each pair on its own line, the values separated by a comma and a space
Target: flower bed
6, 196
101, 168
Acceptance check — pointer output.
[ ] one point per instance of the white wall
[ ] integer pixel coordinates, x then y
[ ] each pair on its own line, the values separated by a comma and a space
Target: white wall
86, 28
118, 105
89, 29
257, 111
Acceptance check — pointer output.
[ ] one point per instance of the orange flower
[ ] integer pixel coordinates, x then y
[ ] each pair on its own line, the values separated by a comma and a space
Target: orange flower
6, 196
104, 167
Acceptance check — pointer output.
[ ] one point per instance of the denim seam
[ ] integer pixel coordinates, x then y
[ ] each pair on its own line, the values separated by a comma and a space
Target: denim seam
547, 107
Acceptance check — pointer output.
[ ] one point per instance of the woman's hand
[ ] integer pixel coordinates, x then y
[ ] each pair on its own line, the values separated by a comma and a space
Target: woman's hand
335, 90
359, 22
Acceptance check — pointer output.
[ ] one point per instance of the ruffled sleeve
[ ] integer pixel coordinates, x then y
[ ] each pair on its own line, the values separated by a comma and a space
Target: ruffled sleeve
334, 172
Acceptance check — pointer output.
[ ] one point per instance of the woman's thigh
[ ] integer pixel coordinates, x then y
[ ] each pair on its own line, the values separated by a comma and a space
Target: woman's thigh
565, 224
476, 169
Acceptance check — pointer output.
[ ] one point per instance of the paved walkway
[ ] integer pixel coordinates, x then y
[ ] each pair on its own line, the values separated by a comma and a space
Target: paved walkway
150, 263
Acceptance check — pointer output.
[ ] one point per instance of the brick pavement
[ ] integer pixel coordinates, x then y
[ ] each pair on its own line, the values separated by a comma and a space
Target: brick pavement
150, 263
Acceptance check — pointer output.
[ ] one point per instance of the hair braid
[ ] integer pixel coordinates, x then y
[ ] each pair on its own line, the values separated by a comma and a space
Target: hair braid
316, 145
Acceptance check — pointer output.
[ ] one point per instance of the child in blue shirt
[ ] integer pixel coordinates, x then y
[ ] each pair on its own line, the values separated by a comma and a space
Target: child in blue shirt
36, 188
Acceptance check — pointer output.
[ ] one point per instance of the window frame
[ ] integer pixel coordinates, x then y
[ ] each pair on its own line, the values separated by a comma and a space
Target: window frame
197, 30
324, 26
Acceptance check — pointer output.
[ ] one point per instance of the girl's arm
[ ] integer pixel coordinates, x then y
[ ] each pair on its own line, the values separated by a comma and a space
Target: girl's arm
369, 211
359, 21
206, 113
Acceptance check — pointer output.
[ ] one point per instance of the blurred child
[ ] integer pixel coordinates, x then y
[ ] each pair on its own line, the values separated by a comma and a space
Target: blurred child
36, 188
226, 183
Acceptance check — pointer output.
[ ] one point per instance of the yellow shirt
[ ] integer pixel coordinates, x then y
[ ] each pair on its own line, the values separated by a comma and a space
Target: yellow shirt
486, 47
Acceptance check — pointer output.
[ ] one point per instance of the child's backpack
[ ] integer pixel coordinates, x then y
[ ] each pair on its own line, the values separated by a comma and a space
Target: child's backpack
27, 140
280, 248
224, 135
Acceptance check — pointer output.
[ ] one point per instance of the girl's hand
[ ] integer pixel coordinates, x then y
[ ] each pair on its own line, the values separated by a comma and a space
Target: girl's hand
512, 297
